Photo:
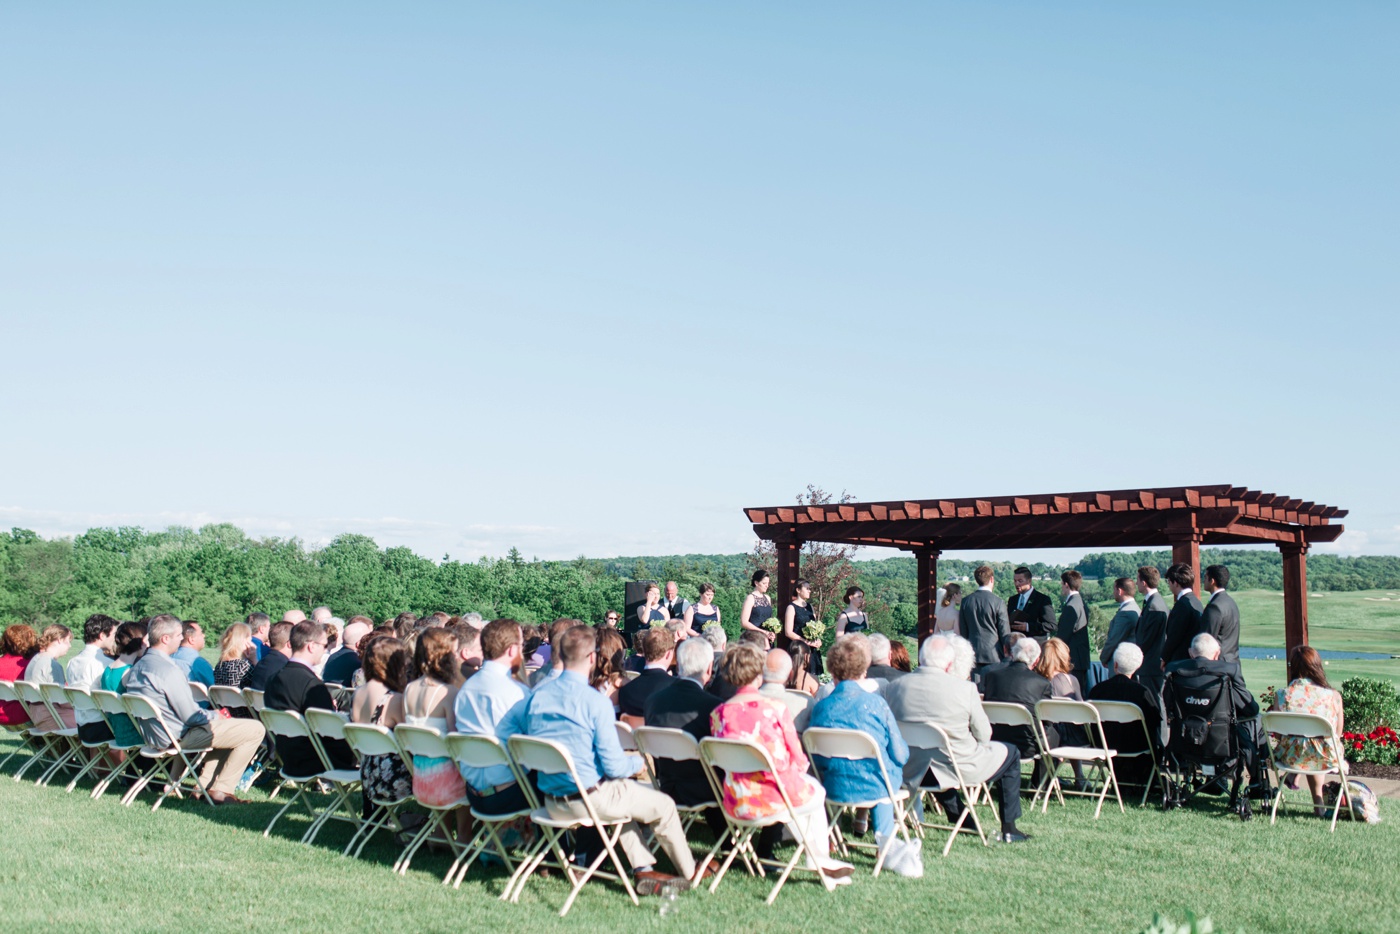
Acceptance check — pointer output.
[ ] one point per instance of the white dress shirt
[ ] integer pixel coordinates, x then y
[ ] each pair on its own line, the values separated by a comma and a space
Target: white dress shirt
85, 671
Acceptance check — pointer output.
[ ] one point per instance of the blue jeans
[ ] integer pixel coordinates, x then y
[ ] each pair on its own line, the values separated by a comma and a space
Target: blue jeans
882, 816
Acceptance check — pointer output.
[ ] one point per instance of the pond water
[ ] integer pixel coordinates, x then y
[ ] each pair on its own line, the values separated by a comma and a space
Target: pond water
1249, 651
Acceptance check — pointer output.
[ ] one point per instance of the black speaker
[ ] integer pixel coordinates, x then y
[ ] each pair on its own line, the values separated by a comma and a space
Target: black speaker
635, 597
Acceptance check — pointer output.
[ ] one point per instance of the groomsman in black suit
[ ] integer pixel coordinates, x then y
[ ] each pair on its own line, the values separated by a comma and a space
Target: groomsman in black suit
1221, 617
1151, 632
1074, 627
982, 618
1184, 621
1032, 613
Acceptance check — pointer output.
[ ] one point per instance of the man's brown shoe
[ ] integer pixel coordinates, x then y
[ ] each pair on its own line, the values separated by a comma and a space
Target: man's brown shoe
652, 882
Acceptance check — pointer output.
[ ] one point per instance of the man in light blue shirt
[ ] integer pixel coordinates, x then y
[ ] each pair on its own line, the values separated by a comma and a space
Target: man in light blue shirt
195, 666
579, 718
482, 703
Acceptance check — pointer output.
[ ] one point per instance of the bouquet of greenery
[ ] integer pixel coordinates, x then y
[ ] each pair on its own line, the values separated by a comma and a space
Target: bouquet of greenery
659, 623
772, 624
814, 631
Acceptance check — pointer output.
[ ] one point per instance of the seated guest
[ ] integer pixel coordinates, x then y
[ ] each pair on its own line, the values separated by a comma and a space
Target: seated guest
17, 646
297, 688
259, 624
45, 668
555, 666
1054, 665
933, 694
719, 641
85, 671
279, 649
850, 707
899, 657
428, 702
1309, 693
159, 680
607, 669
880, 667
569, 712
379, 701
342, 665
235, 651
1003, 648
801, 679
684, 704
1127, 737
638, 659
196, 667
755, 795
468, 648
129, 644
1195, 681
777, 668
632, 697
1020, 683
481, 705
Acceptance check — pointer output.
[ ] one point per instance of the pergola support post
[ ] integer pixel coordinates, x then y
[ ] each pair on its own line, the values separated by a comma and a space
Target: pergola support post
788, 554
1187, 550
926, 564
1295, 599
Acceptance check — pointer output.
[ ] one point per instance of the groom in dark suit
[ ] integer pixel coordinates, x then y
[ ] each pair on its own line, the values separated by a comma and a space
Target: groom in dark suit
1031, 612
982, 618
1184, 621
1074, 627
1221, 616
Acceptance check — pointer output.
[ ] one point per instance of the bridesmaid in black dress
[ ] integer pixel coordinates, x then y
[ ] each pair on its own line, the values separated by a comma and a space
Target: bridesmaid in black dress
701, 614
797, 615
758, 608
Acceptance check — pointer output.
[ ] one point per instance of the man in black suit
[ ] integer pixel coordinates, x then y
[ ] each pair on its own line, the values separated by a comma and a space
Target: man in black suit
273, 661
684, 704
296, 687
1031, 612
982, 619
1127, 737
1074, 627
1184, 621
1019, 683
660, 650
1221, 616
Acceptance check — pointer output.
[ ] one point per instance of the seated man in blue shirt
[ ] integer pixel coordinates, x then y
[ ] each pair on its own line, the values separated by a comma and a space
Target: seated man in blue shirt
482, 703
568, 712
195, 666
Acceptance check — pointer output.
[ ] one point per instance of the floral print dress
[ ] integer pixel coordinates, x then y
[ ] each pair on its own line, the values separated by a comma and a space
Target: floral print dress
767, 722
1304, 696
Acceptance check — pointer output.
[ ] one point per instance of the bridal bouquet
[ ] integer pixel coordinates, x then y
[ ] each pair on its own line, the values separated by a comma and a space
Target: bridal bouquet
814, 631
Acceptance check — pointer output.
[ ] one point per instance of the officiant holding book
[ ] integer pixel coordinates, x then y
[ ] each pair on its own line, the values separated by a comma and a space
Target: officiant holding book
1031, 612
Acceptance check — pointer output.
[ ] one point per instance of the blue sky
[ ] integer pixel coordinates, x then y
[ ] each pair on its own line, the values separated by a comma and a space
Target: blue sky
589, 278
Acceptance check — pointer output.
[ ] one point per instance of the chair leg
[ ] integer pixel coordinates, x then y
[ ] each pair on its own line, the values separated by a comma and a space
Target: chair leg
536, 855
609, 841
97, 756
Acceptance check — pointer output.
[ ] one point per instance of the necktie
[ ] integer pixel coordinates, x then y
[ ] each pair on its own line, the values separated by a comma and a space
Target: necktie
1022, 605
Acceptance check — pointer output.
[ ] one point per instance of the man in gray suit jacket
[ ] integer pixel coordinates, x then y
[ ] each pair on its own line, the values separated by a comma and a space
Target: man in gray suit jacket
982, 618
934, 695
1221, 616
1074, 627
1121, 629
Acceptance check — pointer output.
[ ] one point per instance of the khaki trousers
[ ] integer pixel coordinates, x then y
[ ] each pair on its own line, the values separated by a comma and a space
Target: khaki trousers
624, 799
235, 743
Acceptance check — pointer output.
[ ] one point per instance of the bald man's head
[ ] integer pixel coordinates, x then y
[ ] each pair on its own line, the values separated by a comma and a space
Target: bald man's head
777, 665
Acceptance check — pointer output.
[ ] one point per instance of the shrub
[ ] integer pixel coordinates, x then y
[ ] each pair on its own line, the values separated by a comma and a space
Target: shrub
1368, 703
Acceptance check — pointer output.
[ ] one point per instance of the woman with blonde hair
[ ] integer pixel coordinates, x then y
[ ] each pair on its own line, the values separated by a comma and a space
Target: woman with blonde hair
235, 648
1054, 664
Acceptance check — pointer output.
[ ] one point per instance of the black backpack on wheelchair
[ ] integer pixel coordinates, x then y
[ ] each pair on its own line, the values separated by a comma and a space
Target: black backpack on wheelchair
1206, 749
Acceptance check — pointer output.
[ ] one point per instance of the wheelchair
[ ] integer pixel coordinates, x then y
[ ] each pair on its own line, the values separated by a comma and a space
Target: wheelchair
1210, 748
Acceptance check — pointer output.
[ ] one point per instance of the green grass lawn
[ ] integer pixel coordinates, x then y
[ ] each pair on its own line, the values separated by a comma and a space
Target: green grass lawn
76, 864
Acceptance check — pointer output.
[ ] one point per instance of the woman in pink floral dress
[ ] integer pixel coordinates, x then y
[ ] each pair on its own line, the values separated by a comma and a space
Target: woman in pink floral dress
1308, 693
768, 723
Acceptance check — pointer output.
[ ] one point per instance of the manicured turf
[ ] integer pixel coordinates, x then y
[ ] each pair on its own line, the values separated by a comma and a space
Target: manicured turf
76, 864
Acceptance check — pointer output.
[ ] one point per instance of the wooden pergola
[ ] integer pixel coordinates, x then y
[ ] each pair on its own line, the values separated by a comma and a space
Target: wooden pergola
1183, 517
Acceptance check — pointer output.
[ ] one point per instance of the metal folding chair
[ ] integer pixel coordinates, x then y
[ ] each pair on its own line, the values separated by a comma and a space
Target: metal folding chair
1084, 714
288, 724
549, 758
33, 741
200, 692
370, 739
81, 700
63, 739
326, 725
112, 707
191, 758
484, 752
796, 701
655, 742
858, 746
1127, 714
1283, 723
1004, 714
227, 698
932, 736
429, 743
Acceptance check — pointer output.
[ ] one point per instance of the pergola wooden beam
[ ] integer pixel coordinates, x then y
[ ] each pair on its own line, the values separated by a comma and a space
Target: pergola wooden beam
1183, 518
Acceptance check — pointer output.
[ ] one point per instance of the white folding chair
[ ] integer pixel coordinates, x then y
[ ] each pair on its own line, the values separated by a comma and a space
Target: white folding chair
110, 703
285, 725
35, 741
797, 701
655, 742
625, 737
19, 730
200, 692
485, 752
743, 757
189, 757
932, 736
370, 739
64, 738
1086, 715
227, 698
1282, 723
549, 758
1000, 713
324, 725
1126, 713
81, 701
254, 700
429, 743
858, 746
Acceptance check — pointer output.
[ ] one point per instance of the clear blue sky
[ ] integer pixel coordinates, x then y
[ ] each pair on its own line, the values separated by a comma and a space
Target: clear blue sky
589, 278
